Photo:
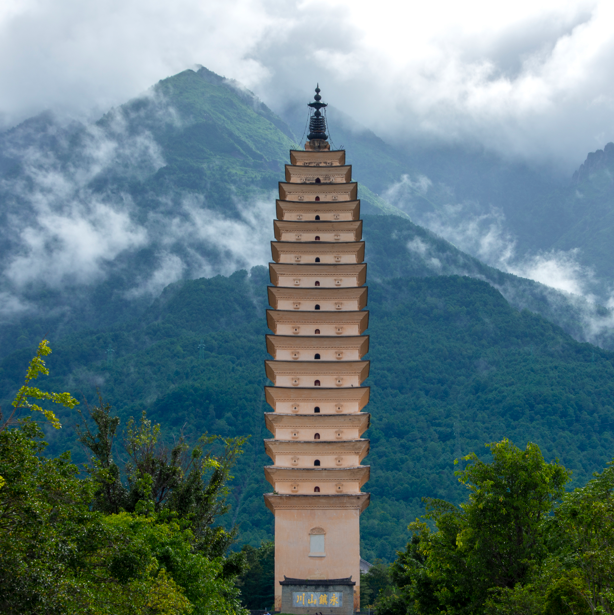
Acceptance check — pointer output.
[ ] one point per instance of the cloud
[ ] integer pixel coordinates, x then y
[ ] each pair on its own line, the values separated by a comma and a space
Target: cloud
482, 233
197, 241
524, 78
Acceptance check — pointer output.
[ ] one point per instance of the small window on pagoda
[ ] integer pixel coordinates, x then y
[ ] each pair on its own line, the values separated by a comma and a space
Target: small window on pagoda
317, 332
316, 542
317, 198
316, 436
316, 383
318, 180
317, 307
317, 355
317, 217
317, 283
317, 238
316, 462
316, 489
317, 259
317, 409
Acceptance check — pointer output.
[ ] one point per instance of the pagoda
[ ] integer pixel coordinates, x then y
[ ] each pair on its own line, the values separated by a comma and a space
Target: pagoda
318, 319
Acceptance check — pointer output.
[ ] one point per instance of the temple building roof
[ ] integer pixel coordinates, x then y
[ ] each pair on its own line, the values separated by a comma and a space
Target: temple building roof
358, 501
320, 448
275, 343
327, 158
359, 421
289, 230
330, 211
349, 298
349, 252
311, 175
360, 474
329, 276
323, 192
317, 396
276, 317
317, 369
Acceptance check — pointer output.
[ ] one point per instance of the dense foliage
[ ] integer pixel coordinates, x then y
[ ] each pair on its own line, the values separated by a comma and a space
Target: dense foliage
518, 545
91, 544
453, 366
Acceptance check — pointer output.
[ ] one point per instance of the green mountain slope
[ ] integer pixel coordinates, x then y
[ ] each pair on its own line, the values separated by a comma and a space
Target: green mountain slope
585, 211
453, 366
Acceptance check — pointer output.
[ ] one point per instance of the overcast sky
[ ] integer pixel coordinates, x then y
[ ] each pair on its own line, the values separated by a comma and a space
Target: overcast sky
530, 77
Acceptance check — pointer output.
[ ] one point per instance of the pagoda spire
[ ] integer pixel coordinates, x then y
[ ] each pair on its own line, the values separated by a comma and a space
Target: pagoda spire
317, 123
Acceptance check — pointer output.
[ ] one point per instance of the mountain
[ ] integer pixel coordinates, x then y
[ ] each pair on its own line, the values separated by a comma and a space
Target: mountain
96, 219
126, 242
453, 366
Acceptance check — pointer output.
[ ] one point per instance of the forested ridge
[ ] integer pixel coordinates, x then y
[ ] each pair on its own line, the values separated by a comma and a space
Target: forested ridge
453, 366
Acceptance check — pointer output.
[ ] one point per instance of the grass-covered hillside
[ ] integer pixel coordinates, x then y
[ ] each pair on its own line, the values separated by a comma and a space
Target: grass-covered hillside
453, 366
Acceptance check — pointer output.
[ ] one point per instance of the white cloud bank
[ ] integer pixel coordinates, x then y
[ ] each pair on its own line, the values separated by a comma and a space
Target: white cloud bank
526, 78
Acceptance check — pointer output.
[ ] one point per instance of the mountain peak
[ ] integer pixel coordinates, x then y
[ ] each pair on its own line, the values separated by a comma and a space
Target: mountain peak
595, 161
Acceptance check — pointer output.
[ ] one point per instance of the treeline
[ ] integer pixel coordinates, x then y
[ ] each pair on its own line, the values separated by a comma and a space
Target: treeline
453, 365
518, 545
135, 532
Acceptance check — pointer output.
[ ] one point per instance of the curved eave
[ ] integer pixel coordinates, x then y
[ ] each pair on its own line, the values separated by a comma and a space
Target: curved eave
357, 420
299, 156
311, 369
275, 502
358, 473
278, 293
358, 447
359, 395
291, 208
278, 317
316, 342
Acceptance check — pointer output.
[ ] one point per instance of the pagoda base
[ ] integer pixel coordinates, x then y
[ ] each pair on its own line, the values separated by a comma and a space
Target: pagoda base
310, 596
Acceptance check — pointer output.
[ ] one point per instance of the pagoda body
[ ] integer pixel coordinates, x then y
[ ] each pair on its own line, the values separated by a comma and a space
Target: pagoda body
318, 320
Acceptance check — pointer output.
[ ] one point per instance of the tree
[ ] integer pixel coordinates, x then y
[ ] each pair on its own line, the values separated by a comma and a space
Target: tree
491, 542
179, 481
257, 581
63, 551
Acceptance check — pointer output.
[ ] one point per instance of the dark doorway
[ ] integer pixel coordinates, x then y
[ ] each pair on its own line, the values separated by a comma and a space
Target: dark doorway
317, 332
316, 436
316, 462
317, 238
317, 409
316, 489
317, 259
317, 198
318, 180
317, 307
317, 355
317, 283
316, 383
317, 217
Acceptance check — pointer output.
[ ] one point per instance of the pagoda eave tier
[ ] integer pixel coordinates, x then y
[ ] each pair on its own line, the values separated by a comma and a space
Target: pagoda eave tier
324, 373
329, 400
357, 473
327, 158
359, 421
319, 448
280, 347
333, 232
275, 502
304, 174
338, 299
328, 276
287, 322
293, 252
318, 192
335, 211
